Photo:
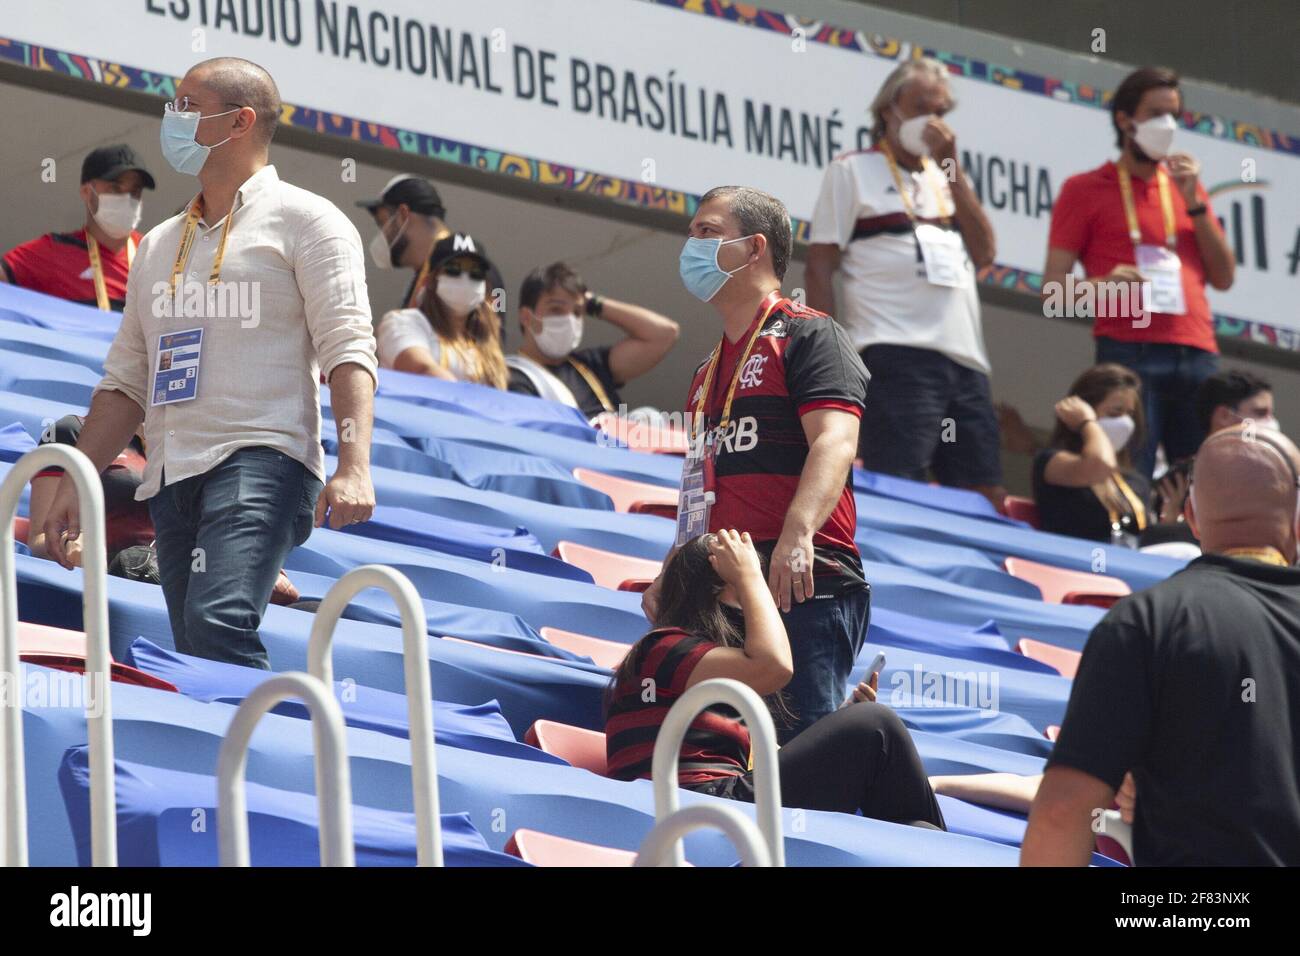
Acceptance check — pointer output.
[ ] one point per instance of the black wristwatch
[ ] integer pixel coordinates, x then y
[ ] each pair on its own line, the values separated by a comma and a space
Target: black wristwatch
1196, 210
595, 304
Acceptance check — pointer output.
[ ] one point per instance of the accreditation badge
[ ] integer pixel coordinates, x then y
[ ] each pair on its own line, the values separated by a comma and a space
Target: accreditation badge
176, 367
944, 255
1163, 272
695, 493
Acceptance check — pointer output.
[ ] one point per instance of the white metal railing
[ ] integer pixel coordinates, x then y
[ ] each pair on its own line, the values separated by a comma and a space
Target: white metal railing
1113, 826
419, 695
97, 679
762, 735
658, 846
333, 780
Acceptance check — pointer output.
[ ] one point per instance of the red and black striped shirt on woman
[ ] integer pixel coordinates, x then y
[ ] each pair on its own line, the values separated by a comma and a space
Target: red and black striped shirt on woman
717, 743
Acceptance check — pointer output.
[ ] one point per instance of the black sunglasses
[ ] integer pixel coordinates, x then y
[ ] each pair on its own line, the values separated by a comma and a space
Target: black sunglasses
477, 273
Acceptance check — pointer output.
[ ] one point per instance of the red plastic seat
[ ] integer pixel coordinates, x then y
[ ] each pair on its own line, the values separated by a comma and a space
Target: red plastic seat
1052, 732
605, 653
544, 849
660, 439
1063, 659
580, 747
22, 528
634, 497
606, 568
1059, 586
65, 650
1021, 509
491, 647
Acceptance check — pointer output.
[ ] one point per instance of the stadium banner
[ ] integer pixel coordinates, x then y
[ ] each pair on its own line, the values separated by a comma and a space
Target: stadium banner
655, 102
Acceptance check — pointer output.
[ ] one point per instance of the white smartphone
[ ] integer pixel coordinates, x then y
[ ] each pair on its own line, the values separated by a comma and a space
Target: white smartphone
877, 666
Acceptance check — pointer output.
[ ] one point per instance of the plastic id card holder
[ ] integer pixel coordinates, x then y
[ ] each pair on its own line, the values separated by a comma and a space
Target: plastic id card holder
176, 372
695, 498
944, 255
1163, 271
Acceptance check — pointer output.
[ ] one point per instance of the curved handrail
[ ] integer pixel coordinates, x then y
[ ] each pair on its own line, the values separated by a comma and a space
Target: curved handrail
762, 735
94, 611
661, 842
333, 779
419, 694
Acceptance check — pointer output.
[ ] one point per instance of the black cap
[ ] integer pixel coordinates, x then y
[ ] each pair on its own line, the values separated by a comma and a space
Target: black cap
419, 195
109, 162
455, 246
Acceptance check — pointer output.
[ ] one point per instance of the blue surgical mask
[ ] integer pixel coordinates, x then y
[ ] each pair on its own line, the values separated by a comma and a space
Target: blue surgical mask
179, 147
699, 268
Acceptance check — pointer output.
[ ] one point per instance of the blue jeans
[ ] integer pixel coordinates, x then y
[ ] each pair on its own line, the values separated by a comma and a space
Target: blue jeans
222, 538
1171, 376
825, 637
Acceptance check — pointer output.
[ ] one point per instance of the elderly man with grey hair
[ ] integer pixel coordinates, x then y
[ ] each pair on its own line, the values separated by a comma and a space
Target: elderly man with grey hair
905, 230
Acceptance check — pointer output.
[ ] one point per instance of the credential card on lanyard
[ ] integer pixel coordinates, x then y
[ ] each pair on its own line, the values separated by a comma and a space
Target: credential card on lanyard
176, 371
1163, 271
695, 497
943, 253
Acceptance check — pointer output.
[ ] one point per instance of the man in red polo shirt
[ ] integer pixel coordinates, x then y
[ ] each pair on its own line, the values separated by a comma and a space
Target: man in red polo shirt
773, 412
91, 264
1144, 221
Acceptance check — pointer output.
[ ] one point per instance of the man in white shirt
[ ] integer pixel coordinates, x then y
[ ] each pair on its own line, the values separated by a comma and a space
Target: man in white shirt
234, 308
903, 226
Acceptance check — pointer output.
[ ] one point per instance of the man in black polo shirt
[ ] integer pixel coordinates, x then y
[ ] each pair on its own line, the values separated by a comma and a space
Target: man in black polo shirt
1194, 685
553, 303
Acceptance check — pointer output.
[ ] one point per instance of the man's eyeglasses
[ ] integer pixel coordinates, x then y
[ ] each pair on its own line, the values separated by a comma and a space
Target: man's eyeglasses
182, 105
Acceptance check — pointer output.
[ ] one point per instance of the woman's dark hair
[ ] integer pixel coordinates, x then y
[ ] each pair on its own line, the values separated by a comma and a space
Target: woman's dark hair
688, 600
1134, 86
1093, 386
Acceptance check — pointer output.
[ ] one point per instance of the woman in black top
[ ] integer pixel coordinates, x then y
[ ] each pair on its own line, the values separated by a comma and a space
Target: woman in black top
1084, 482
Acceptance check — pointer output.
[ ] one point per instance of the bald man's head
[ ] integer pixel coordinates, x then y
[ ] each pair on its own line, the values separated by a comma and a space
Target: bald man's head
1244, 490
243, 83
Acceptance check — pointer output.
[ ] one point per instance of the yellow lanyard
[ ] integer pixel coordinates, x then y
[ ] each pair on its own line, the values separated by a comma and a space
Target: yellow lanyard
593, 383
707, 388
1134, 503
187, 242
928, 171
97, 268
1130, 211
1267, 555
419, 281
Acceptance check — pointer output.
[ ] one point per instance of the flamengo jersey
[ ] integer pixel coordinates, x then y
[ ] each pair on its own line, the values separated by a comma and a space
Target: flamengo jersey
58, 264
801, 361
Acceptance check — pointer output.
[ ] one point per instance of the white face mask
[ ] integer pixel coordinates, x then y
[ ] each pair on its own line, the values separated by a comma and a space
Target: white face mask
1118, 429
461, 293
909, 134
1155, 136
118, 214
560, 335
381, 250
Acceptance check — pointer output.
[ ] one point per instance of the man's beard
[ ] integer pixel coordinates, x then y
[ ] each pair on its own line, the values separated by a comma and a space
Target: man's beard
1137, 153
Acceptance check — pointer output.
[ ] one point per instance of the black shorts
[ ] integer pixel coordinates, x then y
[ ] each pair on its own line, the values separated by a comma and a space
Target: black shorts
927, 414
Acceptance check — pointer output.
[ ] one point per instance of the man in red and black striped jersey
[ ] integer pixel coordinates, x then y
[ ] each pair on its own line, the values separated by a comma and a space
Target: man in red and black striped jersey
775, 410
90, 265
